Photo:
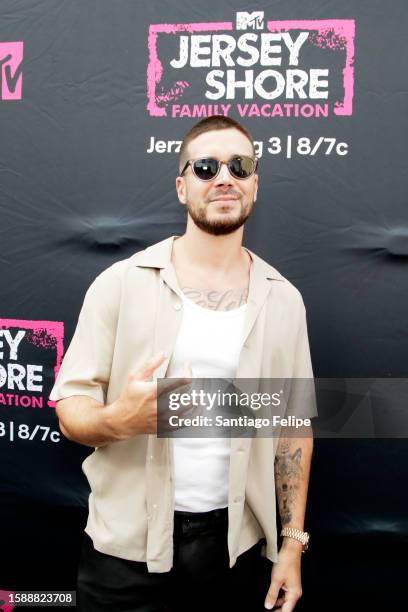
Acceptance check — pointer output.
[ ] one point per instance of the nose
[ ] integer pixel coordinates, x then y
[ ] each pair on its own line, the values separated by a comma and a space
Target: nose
224, 177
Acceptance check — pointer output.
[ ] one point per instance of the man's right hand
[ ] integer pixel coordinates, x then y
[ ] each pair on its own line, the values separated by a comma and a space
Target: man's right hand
135, 411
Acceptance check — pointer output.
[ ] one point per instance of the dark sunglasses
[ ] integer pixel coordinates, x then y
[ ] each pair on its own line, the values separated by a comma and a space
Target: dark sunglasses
207, 168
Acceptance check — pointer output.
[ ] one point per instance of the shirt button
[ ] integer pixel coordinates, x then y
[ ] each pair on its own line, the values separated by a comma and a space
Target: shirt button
177, 306
154, 506
151, 457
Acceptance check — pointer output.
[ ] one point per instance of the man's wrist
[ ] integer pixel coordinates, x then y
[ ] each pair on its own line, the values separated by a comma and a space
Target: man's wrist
291, 545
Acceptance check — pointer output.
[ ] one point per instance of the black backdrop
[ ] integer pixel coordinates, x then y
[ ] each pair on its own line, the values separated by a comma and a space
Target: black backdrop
85, 87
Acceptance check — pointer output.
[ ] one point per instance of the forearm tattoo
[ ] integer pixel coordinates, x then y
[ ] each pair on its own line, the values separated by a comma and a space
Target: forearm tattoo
217, 300
288, 473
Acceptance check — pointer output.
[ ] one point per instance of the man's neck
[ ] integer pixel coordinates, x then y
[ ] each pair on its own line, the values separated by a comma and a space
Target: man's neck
213, 271
222, 254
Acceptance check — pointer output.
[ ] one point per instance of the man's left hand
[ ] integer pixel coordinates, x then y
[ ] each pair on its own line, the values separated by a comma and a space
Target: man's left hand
286, 576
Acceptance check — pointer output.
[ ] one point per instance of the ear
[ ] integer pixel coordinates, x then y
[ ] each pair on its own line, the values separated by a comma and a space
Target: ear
181, 189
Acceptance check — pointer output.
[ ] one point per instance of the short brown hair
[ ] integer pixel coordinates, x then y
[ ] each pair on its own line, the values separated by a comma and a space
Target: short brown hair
216, 122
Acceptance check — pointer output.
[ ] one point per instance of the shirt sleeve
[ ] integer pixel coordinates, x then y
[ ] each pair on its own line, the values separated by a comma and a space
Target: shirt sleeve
302, 398
86, 366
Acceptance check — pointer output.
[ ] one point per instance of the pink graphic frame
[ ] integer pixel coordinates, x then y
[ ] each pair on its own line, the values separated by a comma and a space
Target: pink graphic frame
343, 28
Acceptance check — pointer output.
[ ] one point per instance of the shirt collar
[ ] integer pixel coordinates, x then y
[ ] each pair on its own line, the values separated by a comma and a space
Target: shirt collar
260, 282
159, 256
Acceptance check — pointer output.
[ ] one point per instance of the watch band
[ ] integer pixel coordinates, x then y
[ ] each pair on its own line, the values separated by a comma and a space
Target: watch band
297, 534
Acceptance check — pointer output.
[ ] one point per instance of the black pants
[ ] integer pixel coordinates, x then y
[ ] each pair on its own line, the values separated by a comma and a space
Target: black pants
199, 580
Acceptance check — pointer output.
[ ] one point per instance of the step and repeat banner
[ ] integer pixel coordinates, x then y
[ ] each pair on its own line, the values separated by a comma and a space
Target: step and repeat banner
95, 97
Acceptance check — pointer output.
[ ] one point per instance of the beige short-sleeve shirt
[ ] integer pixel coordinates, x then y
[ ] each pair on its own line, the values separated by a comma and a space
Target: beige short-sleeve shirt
131, 311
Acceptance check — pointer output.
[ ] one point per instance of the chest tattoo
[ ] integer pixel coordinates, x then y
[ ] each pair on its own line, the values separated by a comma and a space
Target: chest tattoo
227, 299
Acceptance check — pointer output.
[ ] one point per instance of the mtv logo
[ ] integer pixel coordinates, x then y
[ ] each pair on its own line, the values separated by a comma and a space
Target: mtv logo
252, 21
11, 70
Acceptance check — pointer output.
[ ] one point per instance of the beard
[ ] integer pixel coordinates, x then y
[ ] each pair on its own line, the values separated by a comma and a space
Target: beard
218, 227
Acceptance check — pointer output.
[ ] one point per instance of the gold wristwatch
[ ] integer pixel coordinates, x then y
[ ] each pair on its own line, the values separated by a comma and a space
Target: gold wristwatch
296, 534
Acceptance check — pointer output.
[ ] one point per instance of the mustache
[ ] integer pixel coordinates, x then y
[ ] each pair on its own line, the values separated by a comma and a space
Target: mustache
213, 195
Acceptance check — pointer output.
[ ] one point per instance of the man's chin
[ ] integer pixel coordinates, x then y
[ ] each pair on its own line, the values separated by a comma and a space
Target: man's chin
220, 227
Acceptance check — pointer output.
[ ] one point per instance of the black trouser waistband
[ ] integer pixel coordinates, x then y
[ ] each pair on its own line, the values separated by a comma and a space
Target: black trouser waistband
217, 514
194, 522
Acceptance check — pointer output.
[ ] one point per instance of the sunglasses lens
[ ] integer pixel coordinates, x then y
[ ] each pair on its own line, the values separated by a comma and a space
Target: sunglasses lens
205, 169
242, 167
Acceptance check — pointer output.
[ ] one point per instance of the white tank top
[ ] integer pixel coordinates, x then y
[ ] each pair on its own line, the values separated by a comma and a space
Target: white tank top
211, 341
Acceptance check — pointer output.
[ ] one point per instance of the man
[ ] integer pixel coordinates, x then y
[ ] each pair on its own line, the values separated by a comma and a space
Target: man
180, 524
